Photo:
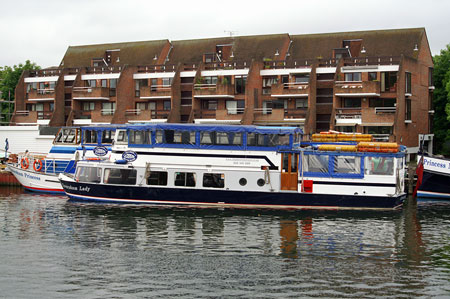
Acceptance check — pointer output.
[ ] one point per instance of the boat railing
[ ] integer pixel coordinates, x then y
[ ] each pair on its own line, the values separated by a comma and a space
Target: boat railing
39, 162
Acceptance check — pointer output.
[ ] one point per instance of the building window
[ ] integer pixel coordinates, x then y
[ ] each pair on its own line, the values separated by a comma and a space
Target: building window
152, 106
381, 102
372, 76
88, 106
108, 108
166, 82
351, 103
214, 180
212, 80
302, 78
91, 83
185, 179
167, 105
408, 109
408, 82
430, 77
349, 77
235, 107
210, 105
301, 103
389, 81
239, 84
154, 84
104, 83
141, 106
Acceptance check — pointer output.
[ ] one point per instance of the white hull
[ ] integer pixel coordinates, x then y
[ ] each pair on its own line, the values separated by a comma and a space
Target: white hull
36, 181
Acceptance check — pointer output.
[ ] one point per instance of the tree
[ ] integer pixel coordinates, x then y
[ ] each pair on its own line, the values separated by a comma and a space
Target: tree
441, 102
9, 77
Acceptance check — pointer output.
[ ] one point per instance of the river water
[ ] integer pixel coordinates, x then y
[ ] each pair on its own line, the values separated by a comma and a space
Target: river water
53, 248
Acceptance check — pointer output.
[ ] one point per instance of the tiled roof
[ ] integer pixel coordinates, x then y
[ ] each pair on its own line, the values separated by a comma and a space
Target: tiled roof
131, 53
376, 43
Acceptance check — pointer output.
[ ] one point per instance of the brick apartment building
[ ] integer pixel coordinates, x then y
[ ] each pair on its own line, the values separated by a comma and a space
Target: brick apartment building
377, 82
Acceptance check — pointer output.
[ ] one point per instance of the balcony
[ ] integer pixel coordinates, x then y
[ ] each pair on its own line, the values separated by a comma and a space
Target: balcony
41, 95
348, 116
202, 114
378, 116
368, 61
136, 115
91, 93
218, 90
156, 92
357, 89
295, 113
290, 90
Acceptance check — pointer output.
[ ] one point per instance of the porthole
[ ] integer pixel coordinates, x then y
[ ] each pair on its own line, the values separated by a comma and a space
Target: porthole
261, 182
243, 181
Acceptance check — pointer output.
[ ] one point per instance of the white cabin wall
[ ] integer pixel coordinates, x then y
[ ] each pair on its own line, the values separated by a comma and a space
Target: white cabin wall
23, 138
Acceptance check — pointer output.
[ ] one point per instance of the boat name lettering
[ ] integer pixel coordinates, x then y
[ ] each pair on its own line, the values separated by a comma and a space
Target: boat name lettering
32, 177
69, 187
100, 151
85, 188
428, 162
129, 156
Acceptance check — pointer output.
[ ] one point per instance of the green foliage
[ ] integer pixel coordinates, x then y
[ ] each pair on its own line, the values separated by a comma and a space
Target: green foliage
9, 77
441, 101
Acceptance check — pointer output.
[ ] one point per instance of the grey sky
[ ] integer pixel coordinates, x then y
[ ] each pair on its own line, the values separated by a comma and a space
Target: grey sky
42, 30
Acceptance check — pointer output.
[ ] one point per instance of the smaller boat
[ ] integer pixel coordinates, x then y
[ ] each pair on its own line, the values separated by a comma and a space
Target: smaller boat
433, 178
39, 172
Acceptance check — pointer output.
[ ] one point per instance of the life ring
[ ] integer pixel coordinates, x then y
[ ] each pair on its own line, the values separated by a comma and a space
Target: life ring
25, 163
93, 159
37, 165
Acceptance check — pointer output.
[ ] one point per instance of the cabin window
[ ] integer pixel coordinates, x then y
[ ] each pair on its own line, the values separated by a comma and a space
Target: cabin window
268, 140
120, 176
179, 137
316, 163
140, 137
243, 181
185, 179
68, 136
107, 136
157, 178
88, 174
223, 138
206, 137
122, 137
214, 180
379, 166
347, 165
90, 137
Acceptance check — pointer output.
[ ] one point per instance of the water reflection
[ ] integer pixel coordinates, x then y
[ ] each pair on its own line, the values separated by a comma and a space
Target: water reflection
96, 250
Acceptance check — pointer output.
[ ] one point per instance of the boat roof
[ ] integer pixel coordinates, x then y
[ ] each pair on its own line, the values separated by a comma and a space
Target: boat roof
219, 128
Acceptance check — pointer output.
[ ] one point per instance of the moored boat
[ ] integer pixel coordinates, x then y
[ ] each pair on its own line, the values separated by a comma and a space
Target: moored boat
238, 166
434, 181
39, 171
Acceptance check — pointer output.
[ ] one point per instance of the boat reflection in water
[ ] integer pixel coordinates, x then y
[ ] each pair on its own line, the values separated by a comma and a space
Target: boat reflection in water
89, 248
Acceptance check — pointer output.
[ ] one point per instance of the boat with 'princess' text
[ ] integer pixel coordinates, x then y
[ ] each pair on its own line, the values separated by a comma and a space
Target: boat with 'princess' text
39, 172
241, 166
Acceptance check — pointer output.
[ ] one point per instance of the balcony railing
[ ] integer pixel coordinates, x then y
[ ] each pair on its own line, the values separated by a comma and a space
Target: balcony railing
235, 110
289, 89
227, 65
364, 87
44, 114
295, 113
205, 114
108, 111
91, 92
214, 89
381, 60
80, 114
385, 109
41, 93
45, 73
348, 113
159, 68
103, 69
303, 63
155, 91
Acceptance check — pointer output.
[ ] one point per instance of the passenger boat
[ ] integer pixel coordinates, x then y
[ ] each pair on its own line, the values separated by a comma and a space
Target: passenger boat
238, 166
39, 171
434, 179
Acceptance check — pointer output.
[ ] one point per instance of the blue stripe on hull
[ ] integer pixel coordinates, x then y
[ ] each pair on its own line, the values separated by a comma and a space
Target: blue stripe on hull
186, 196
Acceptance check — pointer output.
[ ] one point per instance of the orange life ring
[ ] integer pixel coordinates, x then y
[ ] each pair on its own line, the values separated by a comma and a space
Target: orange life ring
25, 163
39, 165
93, 159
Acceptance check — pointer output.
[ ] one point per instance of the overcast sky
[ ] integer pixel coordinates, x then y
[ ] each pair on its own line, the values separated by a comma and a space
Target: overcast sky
41, 30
